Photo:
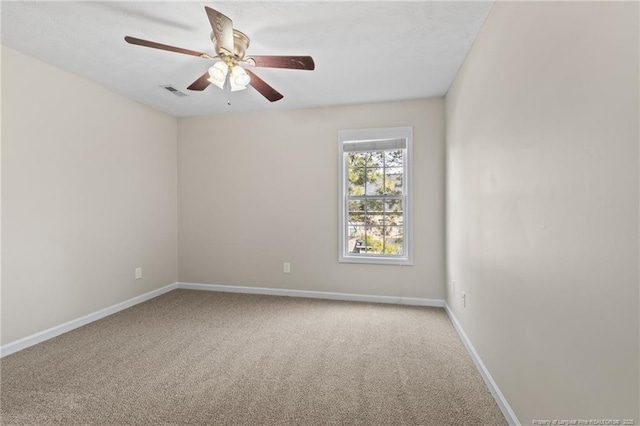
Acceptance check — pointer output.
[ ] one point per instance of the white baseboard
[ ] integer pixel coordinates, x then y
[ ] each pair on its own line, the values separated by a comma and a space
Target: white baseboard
39, 337
36, 338
484, 372
314, 294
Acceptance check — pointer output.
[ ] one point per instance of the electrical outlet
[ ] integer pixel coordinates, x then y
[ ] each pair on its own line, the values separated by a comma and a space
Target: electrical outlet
138, 273
464, 299
286, 268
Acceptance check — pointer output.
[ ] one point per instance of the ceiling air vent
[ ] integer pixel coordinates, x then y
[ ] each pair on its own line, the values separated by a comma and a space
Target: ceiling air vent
173, 90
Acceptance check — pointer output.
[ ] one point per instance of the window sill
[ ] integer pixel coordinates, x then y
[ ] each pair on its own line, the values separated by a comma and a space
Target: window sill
373, 260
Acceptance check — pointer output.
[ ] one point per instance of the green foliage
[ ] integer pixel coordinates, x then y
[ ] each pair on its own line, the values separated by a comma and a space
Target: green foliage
376, 173
378, 246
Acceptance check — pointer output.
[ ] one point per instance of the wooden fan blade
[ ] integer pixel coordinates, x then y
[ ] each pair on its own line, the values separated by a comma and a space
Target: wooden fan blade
222, 28
153, 44
201, 83
263, 88
293, 62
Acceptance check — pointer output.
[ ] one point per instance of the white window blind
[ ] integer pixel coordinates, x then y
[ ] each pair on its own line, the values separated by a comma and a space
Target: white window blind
374, 145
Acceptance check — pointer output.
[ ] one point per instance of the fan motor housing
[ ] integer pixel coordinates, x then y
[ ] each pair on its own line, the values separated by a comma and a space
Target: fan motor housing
240, 44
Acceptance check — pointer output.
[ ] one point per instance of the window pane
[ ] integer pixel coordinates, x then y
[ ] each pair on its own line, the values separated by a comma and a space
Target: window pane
393, 212
376, 159
393, 247
394, 231
357, 159
374, 206
356, 181
375, 178
356, 212
356, 240
375, 239
393, 181
375, 212
366, 159
353, 233
394, 240
393, 158
356, 206
356, 219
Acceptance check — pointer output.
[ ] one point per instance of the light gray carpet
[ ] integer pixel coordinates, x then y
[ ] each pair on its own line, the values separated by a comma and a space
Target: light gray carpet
194, 357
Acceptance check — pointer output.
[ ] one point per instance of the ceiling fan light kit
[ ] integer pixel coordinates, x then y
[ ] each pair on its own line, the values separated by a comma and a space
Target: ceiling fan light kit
238, 77
218, 74
231, 46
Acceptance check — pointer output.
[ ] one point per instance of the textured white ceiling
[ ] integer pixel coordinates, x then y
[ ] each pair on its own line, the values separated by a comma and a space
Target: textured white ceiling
364, 51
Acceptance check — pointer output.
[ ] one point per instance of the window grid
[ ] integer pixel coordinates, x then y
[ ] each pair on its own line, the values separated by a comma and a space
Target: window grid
385, 194
383, 198
375, 188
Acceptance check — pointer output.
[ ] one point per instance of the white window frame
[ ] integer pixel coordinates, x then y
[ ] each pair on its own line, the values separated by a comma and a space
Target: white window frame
369, 136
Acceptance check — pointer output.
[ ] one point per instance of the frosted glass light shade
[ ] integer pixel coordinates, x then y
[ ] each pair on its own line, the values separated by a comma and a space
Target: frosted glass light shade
218, 73
239, 78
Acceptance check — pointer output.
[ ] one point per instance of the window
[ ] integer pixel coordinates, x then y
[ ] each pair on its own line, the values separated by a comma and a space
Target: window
375, 195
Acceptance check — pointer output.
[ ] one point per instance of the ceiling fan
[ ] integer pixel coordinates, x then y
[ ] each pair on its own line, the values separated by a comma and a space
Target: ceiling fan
230, 46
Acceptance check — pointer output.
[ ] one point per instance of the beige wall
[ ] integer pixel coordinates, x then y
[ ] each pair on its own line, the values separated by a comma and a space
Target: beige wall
88, 194
542, 205
259, 189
